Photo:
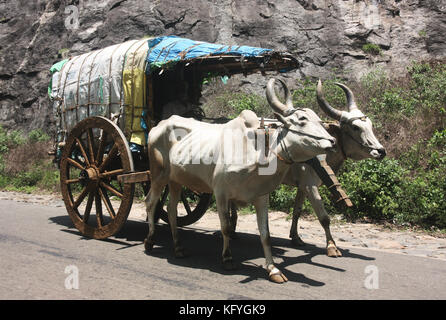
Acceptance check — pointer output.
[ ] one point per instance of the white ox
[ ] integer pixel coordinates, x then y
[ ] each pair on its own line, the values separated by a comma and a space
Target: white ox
179, 153
355, 140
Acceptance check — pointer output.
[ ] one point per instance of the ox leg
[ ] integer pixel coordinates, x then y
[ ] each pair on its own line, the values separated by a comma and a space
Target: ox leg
297, 211
324, 219
174, 197
151, 201
234, 217
261, 205
225, 224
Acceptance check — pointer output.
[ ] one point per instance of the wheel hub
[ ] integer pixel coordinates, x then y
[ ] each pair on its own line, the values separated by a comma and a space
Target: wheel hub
93, 173
89, 175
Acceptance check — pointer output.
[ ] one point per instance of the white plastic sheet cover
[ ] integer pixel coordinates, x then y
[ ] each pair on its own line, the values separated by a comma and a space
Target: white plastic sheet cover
91, 84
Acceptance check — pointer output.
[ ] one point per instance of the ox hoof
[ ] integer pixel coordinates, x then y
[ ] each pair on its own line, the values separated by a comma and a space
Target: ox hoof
332, 250
229, 265
276, 276
297, 242
148, 244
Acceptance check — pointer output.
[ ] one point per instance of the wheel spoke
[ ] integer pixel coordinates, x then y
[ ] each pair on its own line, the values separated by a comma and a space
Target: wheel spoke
88, 207
185, 203
90, 144
99, 217
71, 181
102, 141
111, 189
113, 152
81, 198
112, 173
107, 202
75, 164
84, 154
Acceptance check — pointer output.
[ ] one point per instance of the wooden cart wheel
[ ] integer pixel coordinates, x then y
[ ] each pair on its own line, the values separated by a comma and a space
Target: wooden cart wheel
95, 153
191, 208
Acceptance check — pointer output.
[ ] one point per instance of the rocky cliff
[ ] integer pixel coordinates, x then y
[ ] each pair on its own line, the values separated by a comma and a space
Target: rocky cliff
325, 35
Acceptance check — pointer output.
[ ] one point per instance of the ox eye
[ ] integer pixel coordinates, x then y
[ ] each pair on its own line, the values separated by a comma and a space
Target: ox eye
293, 122
356, 128
303, 118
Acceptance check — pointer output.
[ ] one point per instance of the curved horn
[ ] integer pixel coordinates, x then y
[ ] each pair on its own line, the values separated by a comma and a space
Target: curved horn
325, 106
275, 102
350, 97
288, 97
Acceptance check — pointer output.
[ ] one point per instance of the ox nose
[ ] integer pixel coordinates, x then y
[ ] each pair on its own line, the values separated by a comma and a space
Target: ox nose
382, 153
332, 146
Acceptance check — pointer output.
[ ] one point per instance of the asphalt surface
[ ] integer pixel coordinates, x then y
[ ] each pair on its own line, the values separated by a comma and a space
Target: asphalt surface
42, 256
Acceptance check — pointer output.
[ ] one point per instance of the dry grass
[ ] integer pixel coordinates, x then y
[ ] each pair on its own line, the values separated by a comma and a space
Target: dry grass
24, 157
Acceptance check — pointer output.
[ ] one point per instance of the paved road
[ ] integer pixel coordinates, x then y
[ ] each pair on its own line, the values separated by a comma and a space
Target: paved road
38, 243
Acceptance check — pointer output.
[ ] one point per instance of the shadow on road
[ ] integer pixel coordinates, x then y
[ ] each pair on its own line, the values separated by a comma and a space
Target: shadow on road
203, 248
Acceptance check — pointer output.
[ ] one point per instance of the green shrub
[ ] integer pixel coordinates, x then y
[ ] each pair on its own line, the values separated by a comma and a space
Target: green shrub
282, 198
229, 104
408, 191
4, 181
394, 102
28, 178
50, 178
436, 148
21, 172
11, 139
423, 200
429, 85
37, 135
426, 155
374, 188
372, 48
242, 101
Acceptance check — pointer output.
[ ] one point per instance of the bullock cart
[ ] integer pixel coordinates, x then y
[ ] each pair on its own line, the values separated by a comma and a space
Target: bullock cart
106, 101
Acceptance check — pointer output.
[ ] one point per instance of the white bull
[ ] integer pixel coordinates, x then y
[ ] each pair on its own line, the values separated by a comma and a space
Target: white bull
180, 150
355, 140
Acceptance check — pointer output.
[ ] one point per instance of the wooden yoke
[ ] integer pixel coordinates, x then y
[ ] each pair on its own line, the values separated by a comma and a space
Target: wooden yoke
328, 177
266, 128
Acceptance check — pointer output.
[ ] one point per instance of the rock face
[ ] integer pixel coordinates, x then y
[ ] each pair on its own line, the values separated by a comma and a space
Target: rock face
327, 36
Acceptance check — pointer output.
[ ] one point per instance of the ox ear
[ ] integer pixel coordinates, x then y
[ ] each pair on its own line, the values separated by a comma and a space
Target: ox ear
282, 119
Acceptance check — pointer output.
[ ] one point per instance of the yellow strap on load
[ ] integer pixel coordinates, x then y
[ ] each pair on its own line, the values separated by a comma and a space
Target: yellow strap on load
134, 89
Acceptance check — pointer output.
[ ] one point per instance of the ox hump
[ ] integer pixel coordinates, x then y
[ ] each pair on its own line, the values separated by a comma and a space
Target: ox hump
250, 119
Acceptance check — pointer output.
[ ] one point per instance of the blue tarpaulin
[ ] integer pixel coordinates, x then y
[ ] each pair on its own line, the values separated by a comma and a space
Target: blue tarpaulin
163, 50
